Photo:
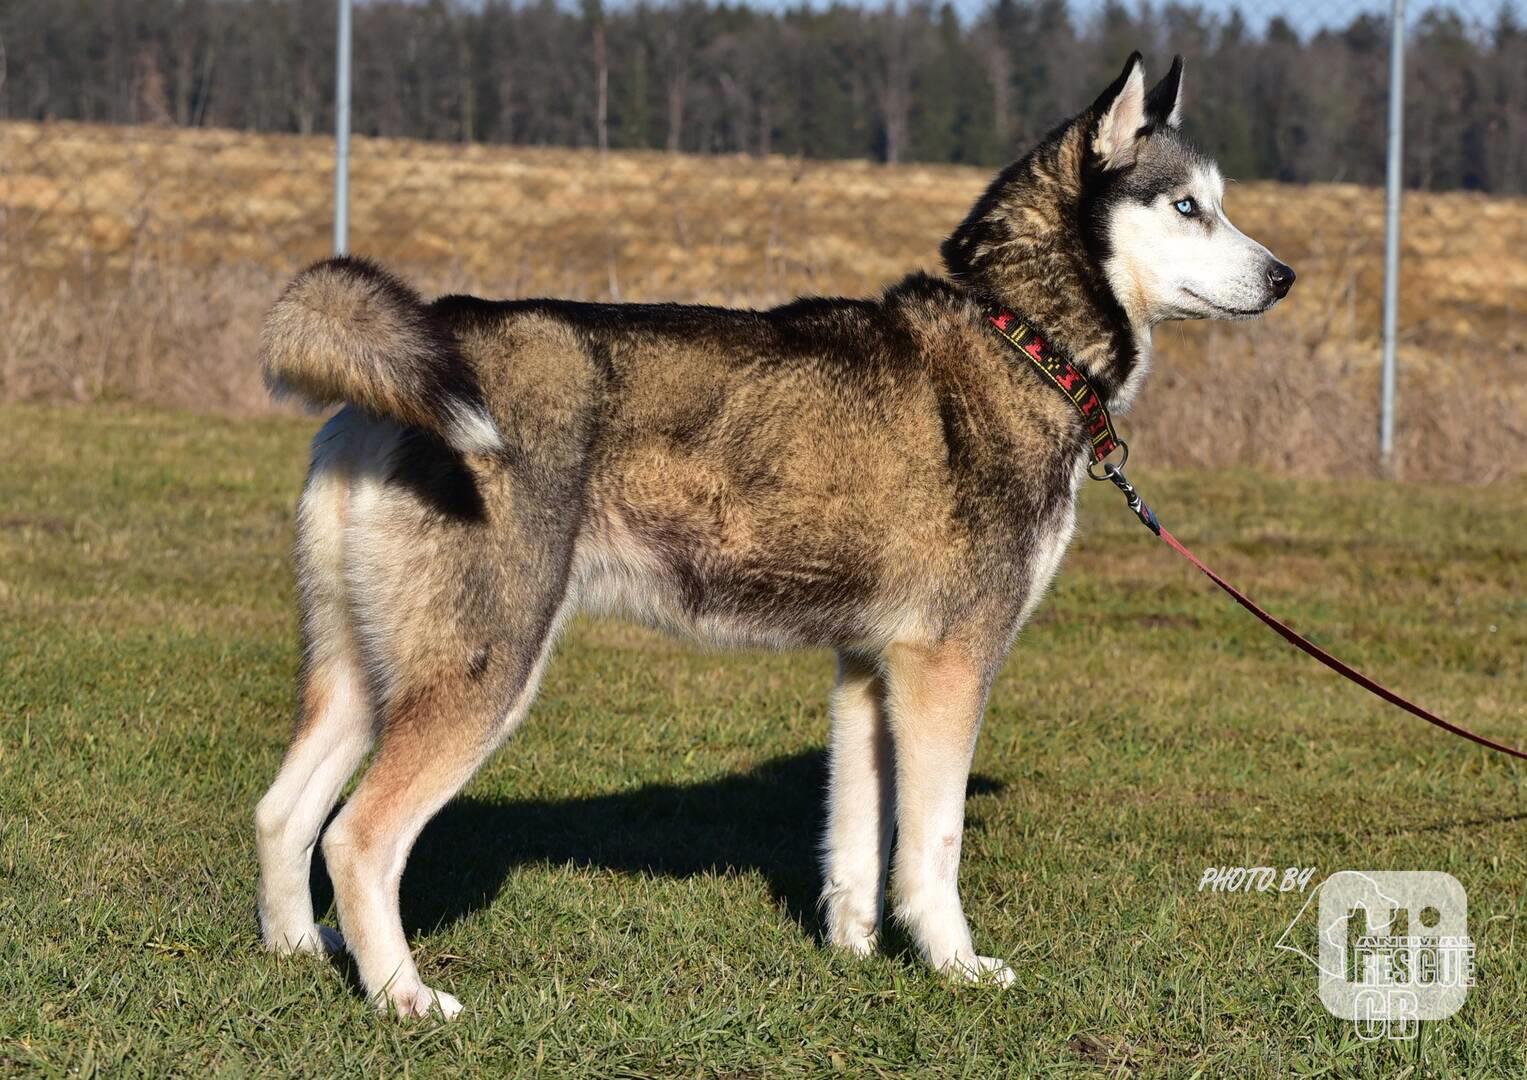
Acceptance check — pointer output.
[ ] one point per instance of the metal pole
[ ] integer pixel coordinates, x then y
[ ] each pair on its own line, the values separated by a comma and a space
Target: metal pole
1392, 229
342, 133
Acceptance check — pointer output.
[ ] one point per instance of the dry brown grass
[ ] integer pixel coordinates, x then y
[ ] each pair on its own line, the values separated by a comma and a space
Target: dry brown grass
138, 262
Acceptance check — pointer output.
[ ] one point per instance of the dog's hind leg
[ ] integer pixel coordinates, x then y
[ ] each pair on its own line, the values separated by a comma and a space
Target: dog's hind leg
333, 732
436, 732
936, 698
459, 582
860, 815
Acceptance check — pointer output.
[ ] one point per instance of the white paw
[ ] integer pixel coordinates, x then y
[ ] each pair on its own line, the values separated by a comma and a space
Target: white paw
853, 940
418, 1000
316, 939
986, 970
853, 927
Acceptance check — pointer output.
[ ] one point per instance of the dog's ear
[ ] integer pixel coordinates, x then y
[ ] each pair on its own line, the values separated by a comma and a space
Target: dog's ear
1118, 116
1163, 105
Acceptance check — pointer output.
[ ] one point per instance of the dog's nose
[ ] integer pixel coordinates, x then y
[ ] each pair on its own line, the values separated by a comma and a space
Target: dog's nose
1281, 278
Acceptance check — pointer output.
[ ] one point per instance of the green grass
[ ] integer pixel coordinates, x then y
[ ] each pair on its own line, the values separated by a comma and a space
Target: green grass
628, 888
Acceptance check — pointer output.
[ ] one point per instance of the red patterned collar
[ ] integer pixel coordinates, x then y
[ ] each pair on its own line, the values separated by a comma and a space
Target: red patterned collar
1066, 377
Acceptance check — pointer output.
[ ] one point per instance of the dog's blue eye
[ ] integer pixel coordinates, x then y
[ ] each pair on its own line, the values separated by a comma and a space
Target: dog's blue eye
1186, 207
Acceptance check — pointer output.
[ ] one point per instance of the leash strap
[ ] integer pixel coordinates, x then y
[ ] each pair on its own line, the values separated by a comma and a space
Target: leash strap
1290, 635
1065, 376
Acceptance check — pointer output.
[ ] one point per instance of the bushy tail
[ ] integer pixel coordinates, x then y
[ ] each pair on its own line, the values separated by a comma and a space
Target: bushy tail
347, 331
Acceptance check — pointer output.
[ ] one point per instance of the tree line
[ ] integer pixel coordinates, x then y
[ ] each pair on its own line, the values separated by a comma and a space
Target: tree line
910, 81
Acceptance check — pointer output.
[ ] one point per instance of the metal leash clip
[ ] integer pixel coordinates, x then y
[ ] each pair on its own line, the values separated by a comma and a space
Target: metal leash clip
1122, 447
1144, 513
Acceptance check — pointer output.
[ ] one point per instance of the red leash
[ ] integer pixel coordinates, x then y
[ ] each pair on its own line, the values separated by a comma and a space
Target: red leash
1292, 636
1103, 440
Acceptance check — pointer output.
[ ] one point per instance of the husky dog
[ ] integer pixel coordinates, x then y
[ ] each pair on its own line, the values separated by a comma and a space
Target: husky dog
884, 477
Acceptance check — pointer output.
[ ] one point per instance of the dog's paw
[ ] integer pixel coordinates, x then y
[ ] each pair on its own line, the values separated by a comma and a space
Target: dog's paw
857, 941
418, 1000
986, 970
319, 940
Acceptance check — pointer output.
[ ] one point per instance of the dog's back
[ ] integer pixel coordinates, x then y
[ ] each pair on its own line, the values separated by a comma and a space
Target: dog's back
826, 473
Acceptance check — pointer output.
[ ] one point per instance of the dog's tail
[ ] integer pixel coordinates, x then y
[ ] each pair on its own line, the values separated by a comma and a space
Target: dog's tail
347, 331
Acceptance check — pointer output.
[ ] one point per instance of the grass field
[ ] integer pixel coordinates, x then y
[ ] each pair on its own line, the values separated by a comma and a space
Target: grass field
628, 888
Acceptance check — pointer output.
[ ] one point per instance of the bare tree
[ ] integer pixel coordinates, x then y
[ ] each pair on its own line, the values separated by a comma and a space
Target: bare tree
893, 83
601, 78
674, 57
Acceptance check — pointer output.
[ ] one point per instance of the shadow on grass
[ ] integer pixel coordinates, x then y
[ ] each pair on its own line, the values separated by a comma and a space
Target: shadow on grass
767, 820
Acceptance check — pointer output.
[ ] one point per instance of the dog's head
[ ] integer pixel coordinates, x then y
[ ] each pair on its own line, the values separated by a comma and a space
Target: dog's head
1118, 190
1157, 221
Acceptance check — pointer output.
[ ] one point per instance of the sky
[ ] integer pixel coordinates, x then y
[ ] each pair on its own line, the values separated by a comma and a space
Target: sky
1309, 16
1306, 16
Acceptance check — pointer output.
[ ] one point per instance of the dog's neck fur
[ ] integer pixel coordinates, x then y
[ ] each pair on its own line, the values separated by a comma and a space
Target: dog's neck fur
1028, 246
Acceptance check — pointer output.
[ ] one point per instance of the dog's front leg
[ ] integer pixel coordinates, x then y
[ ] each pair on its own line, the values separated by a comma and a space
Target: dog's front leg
857, 846
936, 697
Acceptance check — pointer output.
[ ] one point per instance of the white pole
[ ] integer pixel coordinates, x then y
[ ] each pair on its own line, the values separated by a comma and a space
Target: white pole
342, 133
1392, 229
